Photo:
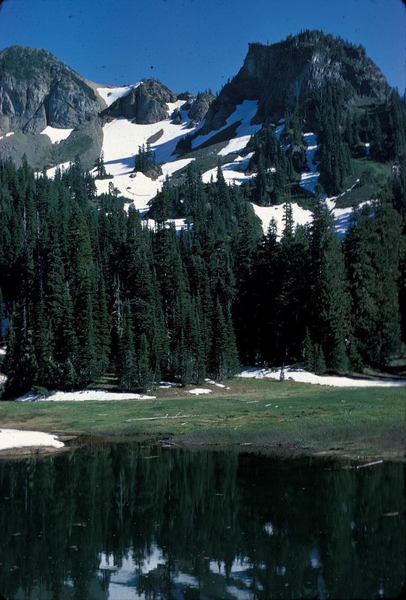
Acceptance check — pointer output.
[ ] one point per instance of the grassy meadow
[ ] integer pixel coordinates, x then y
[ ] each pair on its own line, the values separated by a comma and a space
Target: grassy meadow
251, 414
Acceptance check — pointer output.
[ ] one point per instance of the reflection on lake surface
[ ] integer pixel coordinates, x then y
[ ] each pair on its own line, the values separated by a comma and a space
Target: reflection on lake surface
126, 522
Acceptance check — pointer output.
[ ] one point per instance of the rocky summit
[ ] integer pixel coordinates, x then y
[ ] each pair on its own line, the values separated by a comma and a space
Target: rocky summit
37, 90
282, 75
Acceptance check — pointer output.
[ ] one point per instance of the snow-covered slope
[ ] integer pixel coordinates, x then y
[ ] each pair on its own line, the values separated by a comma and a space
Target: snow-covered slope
123, 137
121, 141
301, 216
233, 172
111, 94
266, 214
243, 114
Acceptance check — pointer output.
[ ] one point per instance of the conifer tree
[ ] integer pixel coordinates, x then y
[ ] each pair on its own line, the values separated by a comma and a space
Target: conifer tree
330, 322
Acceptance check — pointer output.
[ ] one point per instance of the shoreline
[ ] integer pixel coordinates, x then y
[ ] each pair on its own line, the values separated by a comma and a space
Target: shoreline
251, 415
73, 443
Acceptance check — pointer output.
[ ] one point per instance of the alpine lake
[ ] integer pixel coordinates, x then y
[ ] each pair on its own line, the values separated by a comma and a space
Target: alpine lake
128, 521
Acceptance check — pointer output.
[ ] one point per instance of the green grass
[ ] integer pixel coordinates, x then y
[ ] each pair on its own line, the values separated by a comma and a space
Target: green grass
253, 414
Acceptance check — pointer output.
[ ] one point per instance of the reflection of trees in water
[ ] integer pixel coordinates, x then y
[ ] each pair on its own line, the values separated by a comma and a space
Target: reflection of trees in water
217, 523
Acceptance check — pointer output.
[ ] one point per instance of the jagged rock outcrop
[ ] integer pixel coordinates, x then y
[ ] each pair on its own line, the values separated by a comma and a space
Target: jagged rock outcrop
146, 103
37, 90
200, 106
279, 75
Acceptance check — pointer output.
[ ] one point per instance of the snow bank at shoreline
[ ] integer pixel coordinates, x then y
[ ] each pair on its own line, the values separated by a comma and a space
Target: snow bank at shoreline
82, 395
302, 376
17, 438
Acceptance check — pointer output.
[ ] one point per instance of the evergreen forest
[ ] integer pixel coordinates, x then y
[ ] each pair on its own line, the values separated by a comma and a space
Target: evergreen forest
88, 291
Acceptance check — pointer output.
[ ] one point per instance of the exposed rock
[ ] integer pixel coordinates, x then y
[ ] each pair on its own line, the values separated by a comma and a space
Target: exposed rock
187, 96
37, 90
200, 106
36, 148
85, 141
145, 104
278, 75
176, 117
153, 172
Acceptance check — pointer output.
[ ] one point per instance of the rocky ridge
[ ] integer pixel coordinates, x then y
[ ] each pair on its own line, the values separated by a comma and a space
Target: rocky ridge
37, 90
283, 74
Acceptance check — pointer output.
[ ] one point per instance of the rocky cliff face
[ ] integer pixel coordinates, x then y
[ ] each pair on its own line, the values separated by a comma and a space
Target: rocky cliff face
200, 107
37, 90
278, 75
145, 103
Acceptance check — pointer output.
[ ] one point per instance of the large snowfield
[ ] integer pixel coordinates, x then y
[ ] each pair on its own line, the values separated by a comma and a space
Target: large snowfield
121, 141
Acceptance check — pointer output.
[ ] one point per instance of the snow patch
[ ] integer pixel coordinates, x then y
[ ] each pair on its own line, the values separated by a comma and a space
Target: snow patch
61, 167
300, 215
235, 145
342, 217
111, 94
56, 135
211, 382
7, 135
179, 224
167, 385
200, 391
302, 376
17, 438
308, 180
243, 112
82, 395
169, 168
233, 172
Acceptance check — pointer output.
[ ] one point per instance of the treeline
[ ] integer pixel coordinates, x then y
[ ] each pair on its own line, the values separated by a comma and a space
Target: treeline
90, 291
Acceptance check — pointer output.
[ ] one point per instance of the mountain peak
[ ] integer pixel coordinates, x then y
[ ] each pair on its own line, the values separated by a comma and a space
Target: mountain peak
281, 74
36, 90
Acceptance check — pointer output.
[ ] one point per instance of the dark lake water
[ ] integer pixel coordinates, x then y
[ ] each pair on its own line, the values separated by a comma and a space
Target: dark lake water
126, 522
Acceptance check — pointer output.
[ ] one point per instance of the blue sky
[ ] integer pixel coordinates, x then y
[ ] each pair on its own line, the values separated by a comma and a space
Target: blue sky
194, 44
